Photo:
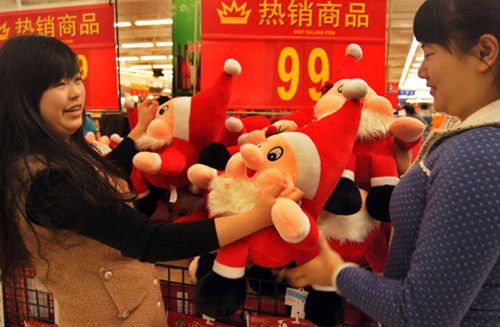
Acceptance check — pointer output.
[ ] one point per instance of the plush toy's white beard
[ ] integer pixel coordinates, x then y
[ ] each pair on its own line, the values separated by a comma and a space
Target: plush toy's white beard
372, 126
145, 142
353, 228
228, 196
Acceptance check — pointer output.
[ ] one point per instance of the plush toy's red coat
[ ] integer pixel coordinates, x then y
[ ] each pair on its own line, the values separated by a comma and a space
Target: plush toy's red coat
267, 249
375, 159
176, 158
371, 251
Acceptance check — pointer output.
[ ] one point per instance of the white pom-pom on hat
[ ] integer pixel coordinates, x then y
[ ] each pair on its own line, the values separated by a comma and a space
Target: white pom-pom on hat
199, 119
232, 67
350, 68
354, 50
129, 104
234, 125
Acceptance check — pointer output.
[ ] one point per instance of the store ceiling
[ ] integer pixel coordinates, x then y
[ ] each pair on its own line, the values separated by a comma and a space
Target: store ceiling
399, 23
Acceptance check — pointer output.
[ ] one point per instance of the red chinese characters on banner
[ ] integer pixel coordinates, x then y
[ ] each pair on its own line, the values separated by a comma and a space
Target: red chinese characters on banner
289, 48
89, 31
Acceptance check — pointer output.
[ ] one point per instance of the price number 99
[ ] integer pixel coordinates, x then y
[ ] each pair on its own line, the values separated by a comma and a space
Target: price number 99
84, 67
291, 75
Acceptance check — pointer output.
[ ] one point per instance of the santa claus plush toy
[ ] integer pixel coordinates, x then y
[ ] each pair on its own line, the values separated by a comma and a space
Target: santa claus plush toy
311, 159
181, 128
364, 190
103, 144
373, 164
236, 127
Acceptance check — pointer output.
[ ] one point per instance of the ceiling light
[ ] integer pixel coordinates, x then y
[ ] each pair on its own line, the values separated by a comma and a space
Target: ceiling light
128, 58
408, 62
122, 24
164, 44
419, 58
153, 22
153, 57
167, 66
170, 57
135, 71
140, 66
137, 45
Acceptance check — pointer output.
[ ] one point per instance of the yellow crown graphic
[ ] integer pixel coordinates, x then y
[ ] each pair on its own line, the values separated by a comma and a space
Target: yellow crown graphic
233, 14
4, 31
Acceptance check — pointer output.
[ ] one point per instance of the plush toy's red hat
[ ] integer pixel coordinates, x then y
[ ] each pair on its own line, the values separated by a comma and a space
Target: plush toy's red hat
198, 119
350, 68
322, 150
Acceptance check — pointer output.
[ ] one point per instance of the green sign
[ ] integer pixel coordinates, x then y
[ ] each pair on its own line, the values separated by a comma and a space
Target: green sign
186, 36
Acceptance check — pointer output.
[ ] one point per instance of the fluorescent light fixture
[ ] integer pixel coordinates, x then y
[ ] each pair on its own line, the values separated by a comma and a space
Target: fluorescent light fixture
170, 57
408, 62
122, 24
153, 57
419, 58
137, 45
164, 44
167, 21
167, 66
140, 66
126, 70
131, 58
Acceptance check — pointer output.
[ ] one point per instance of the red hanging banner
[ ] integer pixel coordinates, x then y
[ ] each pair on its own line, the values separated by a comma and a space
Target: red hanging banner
89, 31
289, 48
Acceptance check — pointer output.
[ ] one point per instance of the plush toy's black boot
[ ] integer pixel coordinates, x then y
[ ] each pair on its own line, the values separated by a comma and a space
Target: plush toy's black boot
377, 202
214, 155
147, 205
324, 309
345, 198
205, 264
219, 297
262, 281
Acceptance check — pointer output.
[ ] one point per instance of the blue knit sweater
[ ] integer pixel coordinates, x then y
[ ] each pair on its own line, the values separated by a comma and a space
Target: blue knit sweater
443, 267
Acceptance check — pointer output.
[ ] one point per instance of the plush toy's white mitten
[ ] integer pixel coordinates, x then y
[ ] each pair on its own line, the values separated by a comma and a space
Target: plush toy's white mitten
285, 124
290, 221
254, 137
201, 175
149, 162
407, 129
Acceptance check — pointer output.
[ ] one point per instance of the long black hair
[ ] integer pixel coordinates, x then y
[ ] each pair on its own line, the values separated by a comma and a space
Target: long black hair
29, 65
462, 22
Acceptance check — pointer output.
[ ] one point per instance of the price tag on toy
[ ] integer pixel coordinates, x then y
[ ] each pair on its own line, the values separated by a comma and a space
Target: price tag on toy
296, 298
173, 194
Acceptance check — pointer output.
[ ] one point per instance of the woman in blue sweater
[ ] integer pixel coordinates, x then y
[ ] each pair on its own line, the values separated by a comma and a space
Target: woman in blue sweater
442, 269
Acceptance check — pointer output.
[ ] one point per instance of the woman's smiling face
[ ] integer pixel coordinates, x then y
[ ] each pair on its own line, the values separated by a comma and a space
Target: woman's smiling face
62, 105
451, 76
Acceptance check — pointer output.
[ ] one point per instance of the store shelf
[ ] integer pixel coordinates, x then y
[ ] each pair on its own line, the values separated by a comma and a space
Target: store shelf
23, 302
